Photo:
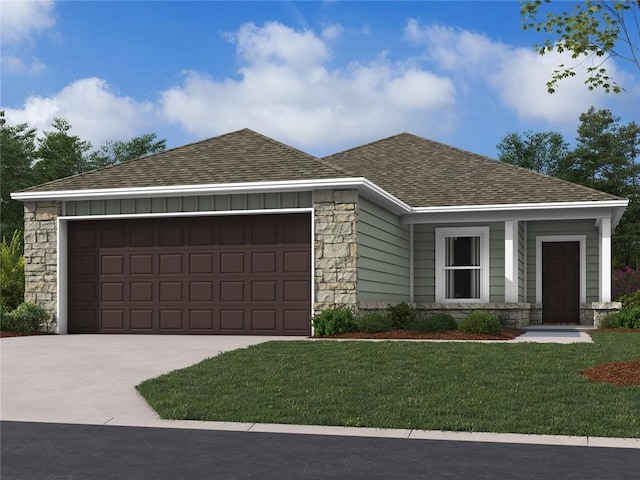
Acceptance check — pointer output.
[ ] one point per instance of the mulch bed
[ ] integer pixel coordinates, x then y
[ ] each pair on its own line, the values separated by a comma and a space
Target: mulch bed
507, 334
11, 333
616, 373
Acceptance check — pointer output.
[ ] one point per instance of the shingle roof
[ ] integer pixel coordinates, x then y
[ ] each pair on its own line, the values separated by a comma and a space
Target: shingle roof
424, 173
420, 172
241, 156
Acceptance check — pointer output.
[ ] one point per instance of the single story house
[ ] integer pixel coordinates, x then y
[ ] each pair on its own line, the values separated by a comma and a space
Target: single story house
241, 234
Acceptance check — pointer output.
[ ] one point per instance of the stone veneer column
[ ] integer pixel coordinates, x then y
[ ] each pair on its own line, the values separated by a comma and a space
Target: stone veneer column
336, 248
40, 254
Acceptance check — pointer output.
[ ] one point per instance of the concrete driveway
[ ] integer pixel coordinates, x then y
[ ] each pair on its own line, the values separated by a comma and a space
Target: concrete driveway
90, 379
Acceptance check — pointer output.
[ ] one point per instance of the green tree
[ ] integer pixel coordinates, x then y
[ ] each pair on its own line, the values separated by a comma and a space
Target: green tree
593, 31
541, 152
17, 154
11, 272
119, 151
60, 154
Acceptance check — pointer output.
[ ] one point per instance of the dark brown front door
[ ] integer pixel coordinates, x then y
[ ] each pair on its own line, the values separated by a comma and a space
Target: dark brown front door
561, 282
246, 274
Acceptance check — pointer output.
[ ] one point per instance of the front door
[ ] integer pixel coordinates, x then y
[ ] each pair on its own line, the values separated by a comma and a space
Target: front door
560, 282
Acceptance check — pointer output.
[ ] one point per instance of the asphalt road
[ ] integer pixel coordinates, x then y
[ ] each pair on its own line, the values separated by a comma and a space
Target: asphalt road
35, 451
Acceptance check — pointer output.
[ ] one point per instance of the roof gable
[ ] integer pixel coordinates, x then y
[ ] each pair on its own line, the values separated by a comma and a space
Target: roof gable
424, 173
237, 157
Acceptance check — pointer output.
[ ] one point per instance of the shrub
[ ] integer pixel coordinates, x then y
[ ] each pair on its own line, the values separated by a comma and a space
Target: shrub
481, 322
28, 318
627, 317
625, 280
402, 315
11, 272
374, 322
438, 322
630, 299
334, 322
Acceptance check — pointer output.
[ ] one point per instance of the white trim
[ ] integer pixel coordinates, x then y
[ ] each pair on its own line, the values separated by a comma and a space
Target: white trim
485, 267
411, 261
511, 261
521, 206
582, 239
61, 276
313, 266
604, 245
525, 274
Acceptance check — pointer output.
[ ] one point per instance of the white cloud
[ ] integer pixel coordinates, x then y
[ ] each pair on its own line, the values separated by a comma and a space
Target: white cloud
94, 111
288, 90
516, 75
20, 19
16, 65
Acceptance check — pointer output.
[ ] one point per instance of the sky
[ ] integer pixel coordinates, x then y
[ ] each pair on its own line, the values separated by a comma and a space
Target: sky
320, 76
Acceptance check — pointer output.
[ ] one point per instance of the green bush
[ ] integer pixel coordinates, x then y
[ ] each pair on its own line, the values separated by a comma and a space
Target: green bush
627, 317
438, 322
334, 322
630, 299
11, 272
374, 322
402, 315
481, 322
28, 318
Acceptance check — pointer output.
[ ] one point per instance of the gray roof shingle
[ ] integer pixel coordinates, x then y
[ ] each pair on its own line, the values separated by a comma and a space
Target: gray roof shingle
424, 173
420, 172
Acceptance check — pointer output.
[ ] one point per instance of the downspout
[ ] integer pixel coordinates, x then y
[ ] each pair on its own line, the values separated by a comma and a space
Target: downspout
411, 260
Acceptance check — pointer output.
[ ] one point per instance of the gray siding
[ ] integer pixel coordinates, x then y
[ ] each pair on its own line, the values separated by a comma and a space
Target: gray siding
572, 227
424, 256
383, 255
203, 203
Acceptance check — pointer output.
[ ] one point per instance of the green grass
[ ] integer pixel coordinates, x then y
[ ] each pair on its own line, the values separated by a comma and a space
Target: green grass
519, 388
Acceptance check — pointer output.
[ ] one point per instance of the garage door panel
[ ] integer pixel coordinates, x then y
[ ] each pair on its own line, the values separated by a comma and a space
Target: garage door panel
201, 291
171, 264
264, 320
232, 320
201, 320
232, 262
141, 292
112, 265
233, 275
141, 320
264, 262
112, 319
171, 319
141, 264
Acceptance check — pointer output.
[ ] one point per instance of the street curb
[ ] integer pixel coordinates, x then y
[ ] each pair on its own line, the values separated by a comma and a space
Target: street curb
481, 437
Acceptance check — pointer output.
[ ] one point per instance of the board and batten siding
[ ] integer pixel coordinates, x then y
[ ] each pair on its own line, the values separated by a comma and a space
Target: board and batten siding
425, 260
383, 255
202, 203
564, 227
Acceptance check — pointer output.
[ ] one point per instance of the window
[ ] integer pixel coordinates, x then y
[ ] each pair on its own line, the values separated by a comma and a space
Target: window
462, 264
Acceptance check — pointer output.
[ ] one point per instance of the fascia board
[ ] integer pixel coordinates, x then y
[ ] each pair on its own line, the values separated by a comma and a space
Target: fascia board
521, 206
364, 186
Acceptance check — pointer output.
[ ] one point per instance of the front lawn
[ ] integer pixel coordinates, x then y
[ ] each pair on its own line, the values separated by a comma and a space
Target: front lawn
519, 388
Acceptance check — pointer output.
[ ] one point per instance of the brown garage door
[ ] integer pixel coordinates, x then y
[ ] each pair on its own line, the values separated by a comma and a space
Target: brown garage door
201, 275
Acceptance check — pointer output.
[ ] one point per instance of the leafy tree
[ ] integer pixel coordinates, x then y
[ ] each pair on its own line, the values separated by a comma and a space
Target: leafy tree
60, 154
593, 31
17, 154
118, 152
541, 152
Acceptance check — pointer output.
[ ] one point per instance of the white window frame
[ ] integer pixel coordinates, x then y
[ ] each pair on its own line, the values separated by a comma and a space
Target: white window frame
441, 235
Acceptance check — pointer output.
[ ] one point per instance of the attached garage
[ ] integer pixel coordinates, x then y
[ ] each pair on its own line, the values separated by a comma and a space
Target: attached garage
242, 274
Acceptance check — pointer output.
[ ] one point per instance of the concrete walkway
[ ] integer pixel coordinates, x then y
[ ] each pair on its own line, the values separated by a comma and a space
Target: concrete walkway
91, 379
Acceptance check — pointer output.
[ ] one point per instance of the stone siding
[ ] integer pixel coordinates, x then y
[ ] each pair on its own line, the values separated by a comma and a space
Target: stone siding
40, 254
336, 249
592, 313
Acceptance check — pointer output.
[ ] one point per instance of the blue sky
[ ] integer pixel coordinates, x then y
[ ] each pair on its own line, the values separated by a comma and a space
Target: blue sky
321, 76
